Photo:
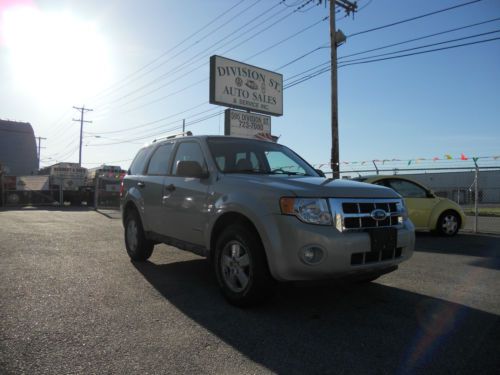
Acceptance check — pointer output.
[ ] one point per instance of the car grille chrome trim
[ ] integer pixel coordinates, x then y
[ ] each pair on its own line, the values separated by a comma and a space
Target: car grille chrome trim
354, 214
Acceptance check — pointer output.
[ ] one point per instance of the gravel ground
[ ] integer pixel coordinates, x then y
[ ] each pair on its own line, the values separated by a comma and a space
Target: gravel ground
71, 302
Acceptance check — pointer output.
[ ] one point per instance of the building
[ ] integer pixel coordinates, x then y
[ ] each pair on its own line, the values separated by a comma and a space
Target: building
18, 154
459, 186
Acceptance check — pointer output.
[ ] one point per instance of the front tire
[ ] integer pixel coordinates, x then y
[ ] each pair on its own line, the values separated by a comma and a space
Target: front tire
448, 224
139, 248
241, 267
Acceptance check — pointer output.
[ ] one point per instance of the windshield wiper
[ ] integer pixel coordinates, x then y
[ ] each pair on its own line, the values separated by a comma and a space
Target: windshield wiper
289, 173
253, 171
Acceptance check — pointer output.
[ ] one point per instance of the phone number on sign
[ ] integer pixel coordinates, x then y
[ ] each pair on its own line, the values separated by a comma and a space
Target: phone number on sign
249, 125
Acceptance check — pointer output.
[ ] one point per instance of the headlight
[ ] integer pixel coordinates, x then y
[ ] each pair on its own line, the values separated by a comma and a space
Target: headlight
309, 210
401, 207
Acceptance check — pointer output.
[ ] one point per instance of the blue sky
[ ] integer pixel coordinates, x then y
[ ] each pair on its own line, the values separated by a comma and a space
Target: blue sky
421, 106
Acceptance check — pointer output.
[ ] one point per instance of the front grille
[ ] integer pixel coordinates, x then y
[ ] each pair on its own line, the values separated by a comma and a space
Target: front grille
358, 259
356, 214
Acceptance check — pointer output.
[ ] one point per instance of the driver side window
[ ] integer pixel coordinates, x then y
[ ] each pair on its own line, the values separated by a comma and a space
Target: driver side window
188, 151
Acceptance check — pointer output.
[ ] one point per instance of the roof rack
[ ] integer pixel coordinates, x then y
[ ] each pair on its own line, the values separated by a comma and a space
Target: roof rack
184, 134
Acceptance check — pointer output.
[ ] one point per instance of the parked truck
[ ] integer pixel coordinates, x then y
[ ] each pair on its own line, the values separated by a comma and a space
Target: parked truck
102, 185
67, 179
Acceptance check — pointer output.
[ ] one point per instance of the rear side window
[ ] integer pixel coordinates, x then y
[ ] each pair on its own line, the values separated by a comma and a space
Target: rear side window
407, 189
158, 165
137, 166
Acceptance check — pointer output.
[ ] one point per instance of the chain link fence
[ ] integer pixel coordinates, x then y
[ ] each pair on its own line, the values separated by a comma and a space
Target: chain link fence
106, 192
22, 191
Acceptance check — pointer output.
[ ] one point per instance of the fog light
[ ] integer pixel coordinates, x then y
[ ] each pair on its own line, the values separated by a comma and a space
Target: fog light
312, 254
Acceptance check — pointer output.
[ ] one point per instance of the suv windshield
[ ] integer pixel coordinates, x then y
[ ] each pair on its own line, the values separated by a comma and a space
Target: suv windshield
238, 155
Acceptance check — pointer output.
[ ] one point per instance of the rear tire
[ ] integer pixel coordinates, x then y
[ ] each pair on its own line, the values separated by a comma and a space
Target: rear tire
139, 248
448, 224
241, 267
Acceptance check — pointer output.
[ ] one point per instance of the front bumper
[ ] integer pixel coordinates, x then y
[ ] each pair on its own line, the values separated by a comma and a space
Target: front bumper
345, 254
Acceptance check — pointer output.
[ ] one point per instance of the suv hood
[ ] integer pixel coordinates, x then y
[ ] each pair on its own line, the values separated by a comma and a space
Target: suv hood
316, 186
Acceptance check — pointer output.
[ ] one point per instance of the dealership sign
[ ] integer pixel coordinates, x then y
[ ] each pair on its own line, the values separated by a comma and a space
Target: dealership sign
244, 124
238, 85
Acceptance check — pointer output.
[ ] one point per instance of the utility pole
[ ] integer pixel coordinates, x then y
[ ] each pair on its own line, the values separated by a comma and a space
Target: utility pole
336, 38
39, 148
476, 194
82, 111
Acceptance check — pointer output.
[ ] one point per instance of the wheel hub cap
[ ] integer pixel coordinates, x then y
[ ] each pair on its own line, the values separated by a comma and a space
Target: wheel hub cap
450, 224
235, 266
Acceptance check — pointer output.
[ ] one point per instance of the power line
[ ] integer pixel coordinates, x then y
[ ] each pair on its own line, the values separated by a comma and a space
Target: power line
288, 38
426, 46
150, 122
361, 32
191, 60
182, 66
204, 64
149, 136
382, 47
64, 150
347, 63
420, 38
412, 18
169, 123
198, 57
364, 6
156, 121
301, 57
218, 17
394, 44
61, 156
163, 97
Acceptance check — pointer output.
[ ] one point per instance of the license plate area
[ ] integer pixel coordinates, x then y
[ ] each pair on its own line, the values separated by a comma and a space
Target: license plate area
383, 239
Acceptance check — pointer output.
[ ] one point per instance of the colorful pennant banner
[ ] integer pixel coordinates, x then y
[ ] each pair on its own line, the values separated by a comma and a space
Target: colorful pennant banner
446, 157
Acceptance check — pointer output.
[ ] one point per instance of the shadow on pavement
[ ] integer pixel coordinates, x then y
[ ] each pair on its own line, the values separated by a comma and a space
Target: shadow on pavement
110, 213
363, 329
47, 208
478, 245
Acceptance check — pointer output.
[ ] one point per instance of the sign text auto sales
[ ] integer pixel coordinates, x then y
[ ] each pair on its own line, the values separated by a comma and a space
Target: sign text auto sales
238, 85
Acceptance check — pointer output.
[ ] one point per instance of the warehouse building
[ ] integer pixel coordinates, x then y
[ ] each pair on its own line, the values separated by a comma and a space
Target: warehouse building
18, 154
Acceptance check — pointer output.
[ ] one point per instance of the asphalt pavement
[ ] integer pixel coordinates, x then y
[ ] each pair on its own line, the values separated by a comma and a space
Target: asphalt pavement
71, 302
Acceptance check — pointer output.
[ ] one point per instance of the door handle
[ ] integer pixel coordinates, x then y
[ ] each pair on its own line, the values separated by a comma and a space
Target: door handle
170, 187
141, 184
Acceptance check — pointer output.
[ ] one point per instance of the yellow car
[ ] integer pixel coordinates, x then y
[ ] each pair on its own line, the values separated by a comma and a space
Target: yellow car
425, 209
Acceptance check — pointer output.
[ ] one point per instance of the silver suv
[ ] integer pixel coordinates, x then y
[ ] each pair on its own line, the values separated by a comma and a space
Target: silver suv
261, 214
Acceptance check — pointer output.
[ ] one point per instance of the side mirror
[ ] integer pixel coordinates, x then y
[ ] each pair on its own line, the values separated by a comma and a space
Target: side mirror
320, 172
189, 168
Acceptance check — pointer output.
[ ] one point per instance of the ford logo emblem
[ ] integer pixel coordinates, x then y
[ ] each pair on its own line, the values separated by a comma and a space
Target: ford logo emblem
378, 214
